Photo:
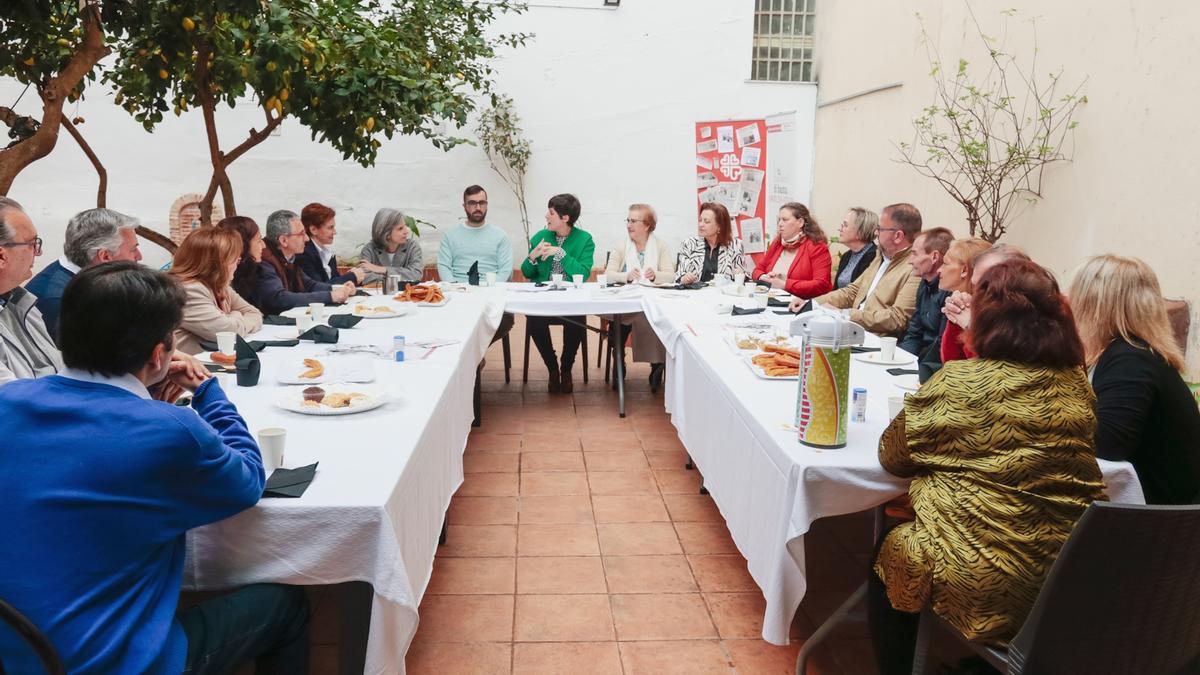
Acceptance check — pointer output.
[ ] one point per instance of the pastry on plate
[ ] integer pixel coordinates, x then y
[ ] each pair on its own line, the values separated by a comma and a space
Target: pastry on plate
315, 369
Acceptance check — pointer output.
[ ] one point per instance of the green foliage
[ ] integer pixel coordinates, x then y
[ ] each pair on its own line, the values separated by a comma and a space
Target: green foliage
991, 131
39, 38
500, 135
349, 70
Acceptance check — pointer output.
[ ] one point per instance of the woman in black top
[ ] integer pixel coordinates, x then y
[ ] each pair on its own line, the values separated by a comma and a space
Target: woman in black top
1145, 413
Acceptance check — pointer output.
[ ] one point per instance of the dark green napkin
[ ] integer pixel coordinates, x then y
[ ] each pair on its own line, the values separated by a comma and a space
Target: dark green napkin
901, 371
473, 274
738, 311
361, 292
776, 302
290, 482
344, 320
321, 333
276, 320
248, 366
859, 349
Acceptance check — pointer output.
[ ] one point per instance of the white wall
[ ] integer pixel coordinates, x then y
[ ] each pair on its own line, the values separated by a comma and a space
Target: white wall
608, 98
1132, 187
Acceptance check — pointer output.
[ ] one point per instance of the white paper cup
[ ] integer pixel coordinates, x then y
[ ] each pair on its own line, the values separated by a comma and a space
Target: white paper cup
317, 310
887, 349
226, 342
739, 278
304, 322
751, 287
602, 279
491, 278
895, 405
270, 444
577, 279
556, 279
761, 299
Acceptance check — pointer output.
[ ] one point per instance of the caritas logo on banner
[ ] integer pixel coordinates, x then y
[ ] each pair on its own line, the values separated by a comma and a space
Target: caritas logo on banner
731, 162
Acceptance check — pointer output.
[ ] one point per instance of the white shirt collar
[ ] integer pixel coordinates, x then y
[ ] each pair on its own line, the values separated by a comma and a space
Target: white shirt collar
68, 265
127, 382
325, 252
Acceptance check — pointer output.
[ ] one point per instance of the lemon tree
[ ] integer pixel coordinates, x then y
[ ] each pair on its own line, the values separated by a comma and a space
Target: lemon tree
54, 47
351, 71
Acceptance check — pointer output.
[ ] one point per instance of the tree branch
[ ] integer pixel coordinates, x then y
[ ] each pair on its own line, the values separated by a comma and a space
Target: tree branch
102, 190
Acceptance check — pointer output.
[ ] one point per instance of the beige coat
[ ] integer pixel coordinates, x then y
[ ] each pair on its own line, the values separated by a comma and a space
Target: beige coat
891, 305
664, 267
203, 318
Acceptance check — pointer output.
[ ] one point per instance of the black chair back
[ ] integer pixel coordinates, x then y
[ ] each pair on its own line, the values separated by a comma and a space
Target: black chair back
36, 640
1122, 597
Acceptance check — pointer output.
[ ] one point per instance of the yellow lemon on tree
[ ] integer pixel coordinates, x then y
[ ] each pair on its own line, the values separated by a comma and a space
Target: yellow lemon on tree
62, 42
188, 24
370, 125
29, 61
163, 74
271, 66
283, 94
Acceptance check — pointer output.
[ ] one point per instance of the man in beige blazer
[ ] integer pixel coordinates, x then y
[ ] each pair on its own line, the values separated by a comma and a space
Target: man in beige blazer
884, 296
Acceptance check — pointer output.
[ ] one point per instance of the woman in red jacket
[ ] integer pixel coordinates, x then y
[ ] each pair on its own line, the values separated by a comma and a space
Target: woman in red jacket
798, 259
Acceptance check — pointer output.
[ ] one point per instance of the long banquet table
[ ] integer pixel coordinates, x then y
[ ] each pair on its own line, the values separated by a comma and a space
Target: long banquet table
376, 507
374, 510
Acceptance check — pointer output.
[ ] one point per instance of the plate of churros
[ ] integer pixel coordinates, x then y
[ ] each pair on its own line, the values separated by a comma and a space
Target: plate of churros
423, 295
775, 362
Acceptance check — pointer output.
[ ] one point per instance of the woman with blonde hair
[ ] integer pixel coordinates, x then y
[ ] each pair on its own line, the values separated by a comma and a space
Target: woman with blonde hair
204, 264
857, 234
1145, 413
642, 256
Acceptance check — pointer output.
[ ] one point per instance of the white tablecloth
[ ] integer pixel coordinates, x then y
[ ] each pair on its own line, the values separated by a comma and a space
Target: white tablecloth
768, 486
588, 299
374, 511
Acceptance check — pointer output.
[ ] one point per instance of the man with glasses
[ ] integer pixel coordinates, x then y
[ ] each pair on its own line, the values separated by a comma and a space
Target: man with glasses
94, 236
474, 241
283, 284
26, 349
884, 297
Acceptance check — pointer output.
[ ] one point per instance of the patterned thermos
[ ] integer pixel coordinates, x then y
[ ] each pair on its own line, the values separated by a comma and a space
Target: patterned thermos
823, 399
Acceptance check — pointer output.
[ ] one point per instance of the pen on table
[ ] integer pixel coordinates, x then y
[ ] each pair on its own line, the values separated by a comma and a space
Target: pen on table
431, 350
689, 327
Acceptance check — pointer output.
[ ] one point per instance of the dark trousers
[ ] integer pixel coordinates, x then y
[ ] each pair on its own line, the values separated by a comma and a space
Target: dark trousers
573, 335
263, 623
506, 324
893, 633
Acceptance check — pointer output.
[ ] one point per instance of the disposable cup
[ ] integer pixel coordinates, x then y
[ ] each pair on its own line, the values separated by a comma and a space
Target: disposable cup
270, 443
556, 279
577, 279
226, 342
491, 278
602, 279
895, 405
887, 349
317, 310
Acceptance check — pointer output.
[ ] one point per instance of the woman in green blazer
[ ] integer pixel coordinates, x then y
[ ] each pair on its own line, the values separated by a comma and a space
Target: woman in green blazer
563, 249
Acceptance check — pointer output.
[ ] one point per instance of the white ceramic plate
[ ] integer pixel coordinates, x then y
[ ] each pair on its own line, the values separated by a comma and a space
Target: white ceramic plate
907, 382
898, 359
337, 369
297, 312
754, 368
293, 399
445, 299
381, 309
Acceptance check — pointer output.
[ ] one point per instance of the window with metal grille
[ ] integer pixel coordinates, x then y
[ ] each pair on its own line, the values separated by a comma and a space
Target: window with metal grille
783, 40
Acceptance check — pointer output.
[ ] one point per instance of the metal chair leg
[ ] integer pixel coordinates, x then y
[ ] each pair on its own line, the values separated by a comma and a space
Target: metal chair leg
826, 628
525, 370
507, 348
584, 347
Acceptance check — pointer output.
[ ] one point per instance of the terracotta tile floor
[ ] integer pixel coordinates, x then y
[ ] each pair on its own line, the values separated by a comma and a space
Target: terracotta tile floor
579, 544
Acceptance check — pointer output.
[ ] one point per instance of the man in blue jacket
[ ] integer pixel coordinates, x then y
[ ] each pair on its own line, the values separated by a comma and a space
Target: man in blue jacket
93, 236
101, 478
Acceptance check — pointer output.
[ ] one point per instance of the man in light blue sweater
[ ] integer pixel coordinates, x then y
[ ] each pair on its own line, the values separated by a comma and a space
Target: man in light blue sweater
474, 242
102, 477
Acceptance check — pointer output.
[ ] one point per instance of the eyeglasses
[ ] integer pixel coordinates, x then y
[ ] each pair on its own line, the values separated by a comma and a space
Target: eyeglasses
473, 204
296, 234
886, 229
36, 243
630, 221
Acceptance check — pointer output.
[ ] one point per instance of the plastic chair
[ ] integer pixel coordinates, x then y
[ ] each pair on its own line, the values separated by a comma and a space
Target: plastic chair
1122, 597
36, 640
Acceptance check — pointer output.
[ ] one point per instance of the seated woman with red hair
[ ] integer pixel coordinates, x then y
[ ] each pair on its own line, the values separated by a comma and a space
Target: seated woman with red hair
798, 259
999, 449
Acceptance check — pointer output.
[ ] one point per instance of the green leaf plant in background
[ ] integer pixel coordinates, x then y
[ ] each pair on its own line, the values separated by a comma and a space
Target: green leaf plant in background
991, 131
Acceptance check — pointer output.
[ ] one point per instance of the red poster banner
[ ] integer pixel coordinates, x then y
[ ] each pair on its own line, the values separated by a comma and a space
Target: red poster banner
731, 170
